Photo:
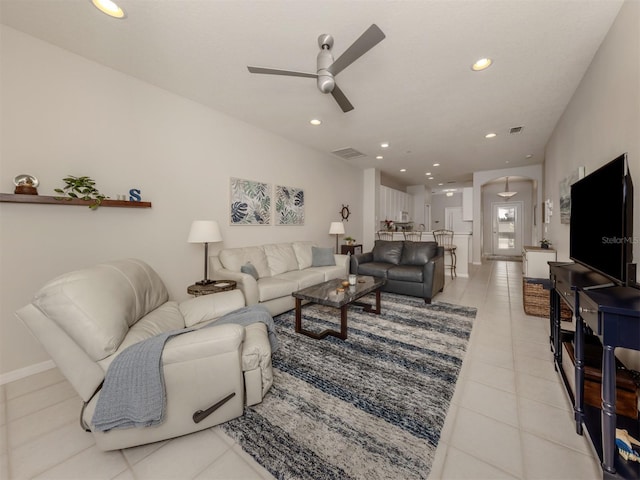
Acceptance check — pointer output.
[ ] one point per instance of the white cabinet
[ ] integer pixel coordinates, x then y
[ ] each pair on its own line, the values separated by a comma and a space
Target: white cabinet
392, 202
534, 261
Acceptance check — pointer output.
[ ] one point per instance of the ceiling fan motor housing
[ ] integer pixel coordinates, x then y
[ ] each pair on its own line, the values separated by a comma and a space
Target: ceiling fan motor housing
326, 83
328, 68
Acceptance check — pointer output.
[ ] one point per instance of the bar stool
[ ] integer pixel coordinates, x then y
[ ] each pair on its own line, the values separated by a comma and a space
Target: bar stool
413, 236
383, 235
444, 238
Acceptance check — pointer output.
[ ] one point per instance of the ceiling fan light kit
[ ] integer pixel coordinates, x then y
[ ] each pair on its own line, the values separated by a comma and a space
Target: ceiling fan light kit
327, 68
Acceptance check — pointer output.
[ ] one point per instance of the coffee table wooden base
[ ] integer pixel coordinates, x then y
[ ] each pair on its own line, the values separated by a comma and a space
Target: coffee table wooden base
342, 334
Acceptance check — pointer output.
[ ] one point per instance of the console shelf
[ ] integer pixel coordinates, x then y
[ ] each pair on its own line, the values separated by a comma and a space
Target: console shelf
612, 313
41, 199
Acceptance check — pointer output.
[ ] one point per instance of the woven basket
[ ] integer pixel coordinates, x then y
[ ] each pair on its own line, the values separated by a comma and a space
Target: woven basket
536, 299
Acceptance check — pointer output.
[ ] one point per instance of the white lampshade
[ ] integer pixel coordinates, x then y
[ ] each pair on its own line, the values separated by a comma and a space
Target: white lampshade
204, 231
336, 228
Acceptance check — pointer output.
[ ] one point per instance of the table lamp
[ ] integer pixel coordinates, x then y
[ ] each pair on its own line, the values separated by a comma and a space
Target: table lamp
205, 231
336, 228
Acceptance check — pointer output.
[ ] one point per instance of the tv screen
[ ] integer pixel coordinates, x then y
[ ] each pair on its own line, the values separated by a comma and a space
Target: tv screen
602, 220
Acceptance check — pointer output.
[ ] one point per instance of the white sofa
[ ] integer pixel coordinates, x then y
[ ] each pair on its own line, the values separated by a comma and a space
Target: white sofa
282, 269
85, 319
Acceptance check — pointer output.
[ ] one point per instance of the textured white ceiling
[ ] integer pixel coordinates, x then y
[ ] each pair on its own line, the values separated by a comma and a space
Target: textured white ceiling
415, 89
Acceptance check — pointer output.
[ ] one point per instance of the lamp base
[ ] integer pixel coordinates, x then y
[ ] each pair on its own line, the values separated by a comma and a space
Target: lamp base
205, 282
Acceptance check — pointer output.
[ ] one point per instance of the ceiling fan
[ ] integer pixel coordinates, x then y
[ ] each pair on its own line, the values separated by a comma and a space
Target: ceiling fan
327, 68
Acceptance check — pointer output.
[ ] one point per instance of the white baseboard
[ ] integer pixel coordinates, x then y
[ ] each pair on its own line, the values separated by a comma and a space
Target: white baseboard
26, 371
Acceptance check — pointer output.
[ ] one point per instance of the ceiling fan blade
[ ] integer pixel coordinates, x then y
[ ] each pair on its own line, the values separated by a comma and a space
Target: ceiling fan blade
342, 100
274, 71
369, 39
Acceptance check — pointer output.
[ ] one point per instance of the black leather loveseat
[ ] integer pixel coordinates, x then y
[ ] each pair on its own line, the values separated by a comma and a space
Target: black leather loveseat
410, 268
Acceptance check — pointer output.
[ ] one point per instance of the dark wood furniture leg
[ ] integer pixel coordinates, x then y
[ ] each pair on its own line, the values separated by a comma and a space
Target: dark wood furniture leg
342, 334
578, 407
608, 408
368, 308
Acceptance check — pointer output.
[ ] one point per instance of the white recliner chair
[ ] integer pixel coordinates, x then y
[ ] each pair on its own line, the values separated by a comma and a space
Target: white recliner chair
84, 319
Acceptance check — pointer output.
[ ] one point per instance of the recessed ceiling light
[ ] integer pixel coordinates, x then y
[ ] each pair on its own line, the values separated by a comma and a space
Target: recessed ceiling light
384, 145
110, 8
436, 164
440, 184
379, 157
430, 178
315, 121
403, 169
529, 156
481, 64
449, 194
428, 173
491, 135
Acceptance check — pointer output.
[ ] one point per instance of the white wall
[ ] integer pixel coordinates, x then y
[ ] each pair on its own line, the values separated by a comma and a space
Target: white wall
439, 202
601, 121
65, 115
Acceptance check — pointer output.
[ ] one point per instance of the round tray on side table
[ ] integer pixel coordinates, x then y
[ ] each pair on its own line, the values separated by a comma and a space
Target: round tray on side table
214, 287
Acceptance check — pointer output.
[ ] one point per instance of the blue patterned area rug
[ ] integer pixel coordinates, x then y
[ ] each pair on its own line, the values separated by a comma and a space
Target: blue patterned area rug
370, 407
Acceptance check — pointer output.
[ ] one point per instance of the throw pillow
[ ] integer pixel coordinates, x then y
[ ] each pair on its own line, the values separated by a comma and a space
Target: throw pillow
250, 269
322, 257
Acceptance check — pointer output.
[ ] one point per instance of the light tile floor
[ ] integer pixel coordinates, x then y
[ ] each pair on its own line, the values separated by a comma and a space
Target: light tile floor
510, 417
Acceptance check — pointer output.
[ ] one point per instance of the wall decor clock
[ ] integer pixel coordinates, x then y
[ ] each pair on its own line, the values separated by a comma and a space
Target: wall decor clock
344, 213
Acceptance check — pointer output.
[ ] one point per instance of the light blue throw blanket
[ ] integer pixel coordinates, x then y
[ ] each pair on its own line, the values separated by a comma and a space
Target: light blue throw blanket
133, 393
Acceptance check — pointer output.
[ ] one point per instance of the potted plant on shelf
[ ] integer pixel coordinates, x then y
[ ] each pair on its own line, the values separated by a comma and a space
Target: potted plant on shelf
82, 188
545, 243
349, 240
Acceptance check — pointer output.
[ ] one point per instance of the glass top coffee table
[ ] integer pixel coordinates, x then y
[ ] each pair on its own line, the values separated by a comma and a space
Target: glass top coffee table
326, 293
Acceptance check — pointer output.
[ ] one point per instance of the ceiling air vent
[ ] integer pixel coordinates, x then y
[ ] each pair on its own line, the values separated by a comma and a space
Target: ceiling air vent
348, 153
515, 130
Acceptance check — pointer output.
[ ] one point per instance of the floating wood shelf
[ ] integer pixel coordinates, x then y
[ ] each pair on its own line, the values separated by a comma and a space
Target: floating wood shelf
17, 198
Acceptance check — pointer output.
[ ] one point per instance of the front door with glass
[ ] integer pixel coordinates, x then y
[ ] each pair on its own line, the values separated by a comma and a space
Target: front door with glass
507, 228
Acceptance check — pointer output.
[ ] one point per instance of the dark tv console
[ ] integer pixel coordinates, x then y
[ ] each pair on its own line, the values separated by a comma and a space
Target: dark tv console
613, 314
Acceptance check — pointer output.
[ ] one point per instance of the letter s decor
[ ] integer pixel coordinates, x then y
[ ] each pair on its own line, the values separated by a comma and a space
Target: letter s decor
134, 195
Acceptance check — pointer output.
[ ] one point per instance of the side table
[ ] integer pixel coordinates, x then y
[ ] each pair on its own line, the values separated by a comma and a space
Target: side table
214, 287
352, 249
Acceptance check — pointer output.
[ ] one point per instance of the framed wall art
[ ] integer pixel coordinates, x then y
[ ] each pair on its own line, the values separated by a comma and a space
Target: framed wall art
289, 202
250, 202
565, 194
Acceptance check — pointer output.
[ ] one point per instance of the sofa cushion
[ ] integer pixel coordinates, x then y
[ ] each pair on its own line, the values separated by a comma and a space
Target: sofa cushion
387, 251
322, 257
275, 287
375, 269
406, 273
304, 278
233, 259
417, 253
331, 272
303, 253
96, 306
280, 258
249, 269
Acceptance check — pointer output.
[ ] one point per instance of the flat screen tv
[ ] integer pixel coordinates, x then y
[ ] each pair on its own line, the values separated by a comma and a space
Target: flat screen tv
601, 235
